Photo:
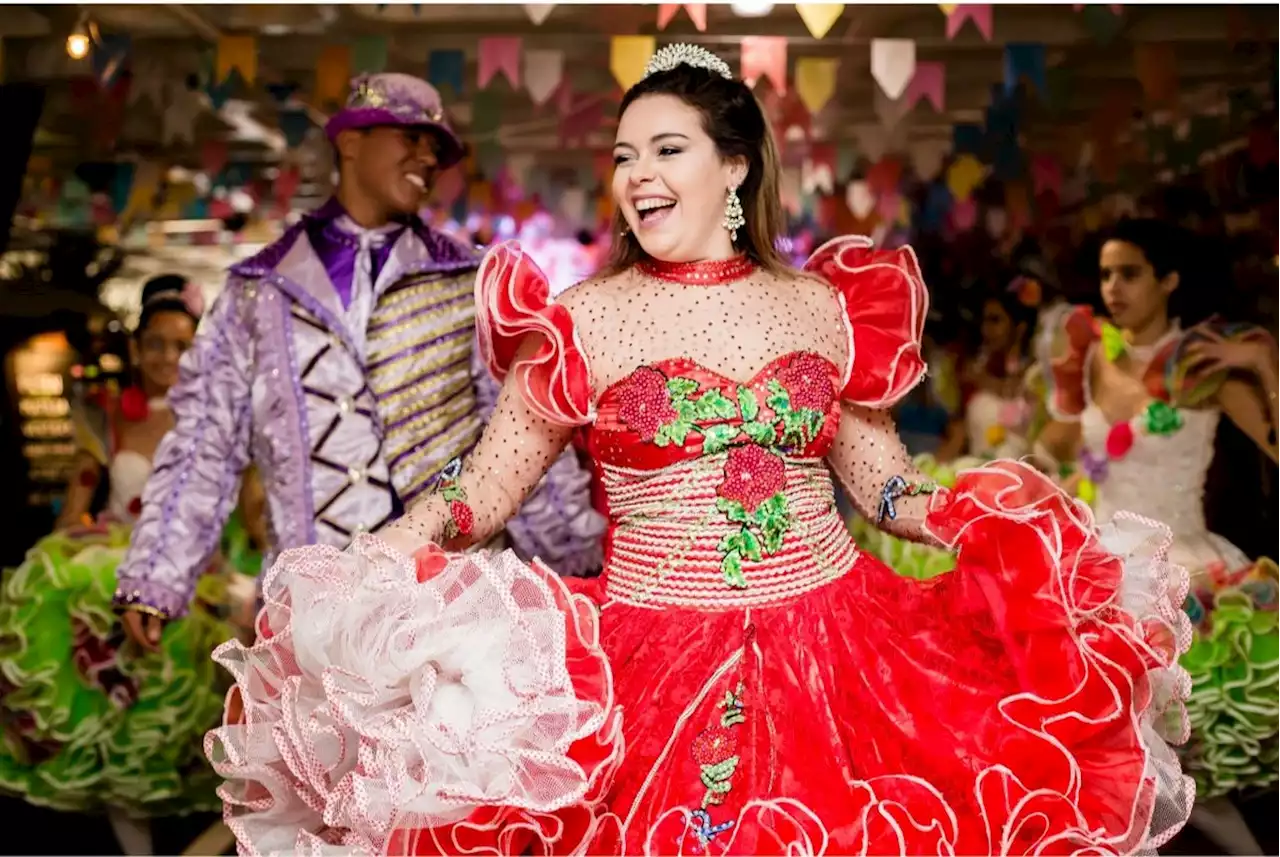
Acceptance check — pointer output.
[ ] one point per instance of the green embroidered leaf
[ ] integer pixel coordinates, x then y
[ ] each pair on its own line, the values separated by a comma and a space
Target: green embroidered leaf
730, 542
779, 399
452, 493
732, 717
663, 436
748, 403
713, 405
760, 433
750, 545
716, 776
731, 568
773, 537
717, 438
816, 419
733, 510
686, 411
678, 431
681, 387
795, 428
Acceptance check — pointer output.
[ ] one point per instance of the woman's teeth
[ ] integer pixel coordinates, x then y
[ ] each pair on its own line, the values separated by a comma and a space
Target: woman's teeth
654, 209
416, 180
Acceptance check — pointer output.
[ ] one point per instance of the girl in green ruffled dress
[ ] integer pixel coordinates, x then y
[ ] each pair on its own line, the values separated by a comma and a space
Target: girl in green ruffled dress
90, 723
1137, 402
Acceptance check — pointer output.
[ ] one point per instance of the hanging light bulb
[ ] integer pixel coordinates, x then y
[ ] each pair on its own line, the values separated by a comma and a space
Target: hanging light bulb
752, 9
78, 45
80, 39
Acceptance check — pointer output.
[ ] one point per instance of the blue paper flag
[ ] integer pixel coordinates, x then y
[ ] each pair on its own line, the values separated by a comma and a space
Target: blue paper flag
282, 92
1025, 60
932, 216
294, 124
446, 68
967, 139
122, 185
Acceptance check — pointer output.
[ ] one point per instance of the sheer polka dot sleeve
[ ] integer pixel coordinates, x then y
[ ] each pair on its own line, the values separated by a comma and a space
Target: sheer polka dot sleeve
885, 303
513, 305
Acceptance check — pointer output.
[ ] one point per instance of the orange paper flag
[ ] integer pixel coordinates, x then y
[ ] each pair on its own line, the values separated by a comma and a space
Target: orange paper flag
1157, 71
239, 53
628, 56
333, 76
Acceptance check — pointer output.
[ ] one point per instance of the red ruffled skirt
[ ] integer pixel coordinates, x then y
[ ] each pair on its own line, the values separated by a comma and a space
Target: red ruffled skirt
1019, 705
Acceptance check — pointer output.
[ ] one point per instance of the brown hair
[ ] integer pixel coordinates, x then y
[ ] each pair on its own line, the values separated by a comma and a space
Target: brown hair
735, 122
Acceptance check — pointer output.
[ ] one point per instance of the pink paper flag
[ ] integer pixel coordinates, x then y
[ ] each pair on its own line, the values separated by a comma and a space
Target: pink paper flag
213, 157
765, 56
929, 81
978, 13
697, 14
1046, 175
888, 206
964, 214
499, 54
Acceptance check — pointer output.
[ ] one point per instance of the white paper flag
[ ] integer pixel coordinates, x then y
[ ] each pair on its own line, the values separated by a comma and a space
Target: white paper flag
538, 12
893, 63
543, 71
858, 196
179, 119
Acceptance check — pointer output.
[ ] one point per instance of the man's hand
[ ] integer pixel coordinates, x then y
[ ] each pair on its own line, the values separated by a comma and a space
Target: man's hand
143, 628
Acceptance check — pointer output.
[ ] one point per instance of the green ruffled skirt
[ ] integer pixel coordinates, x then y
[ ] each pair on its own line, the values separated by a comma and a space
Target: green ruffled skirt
1234, 659
1234, 662
90, 721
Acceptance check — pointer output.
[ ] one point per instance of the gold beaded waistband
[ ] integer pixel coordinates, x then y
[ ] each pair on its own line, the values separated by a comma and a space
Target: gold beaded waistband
677, 543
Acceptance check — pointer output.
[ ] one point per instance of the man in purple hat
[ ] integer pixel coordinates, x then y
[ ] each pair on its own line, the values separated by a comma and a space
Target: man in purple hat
340, 361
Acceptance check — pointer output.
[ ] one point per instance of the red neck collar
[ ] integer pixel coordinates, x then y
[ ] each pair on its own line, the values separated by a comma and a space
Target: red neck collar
715, 272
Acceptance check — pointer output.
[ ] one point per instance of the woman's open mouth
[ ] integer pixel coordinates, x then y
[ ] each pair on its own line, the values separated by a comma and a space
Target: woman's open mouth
654, 209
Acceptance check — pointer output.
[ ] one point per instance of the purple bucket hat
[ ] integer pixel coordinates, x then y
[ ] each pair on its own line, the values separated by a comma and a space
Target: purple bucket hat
397, 99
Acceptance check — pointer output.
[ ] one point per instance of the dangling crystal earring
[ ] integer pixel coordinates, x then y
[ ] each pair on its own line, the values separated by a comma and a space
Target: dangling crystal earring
733, 218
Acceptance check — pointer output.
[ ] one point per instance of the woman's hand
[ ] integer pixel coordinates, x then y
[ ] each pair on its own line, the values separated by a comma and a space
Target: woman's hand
1214, 353
145, 629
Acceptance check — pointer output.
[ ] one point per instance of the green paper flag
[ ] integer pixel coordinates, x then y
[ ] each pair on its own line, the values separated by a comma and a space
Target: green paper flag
1102, 23
486, 111
369, 55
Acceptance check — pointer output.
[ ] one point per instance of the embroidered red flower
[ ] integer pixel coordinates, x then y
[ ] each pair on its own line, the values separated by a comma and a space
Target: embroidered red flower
714, 745
463, 517
645, 402
808, 382
1119, 440
135, 507
752, 475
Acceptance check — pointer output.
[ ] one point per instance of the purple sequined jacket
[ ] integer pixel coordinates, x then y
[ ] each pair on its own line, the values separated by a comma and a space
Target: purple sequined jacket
340, 426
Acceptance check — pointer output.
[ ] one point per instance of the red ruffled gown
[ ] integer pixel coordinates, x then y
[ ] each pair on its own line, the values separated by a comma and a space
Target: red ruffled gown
741, 680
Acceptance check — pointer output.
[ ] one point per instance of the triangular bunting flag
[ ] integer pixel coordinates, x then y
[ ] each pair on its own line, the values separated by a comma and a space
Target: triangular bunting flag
893, 62
1025, 61
628, 56
819, 18
979, 14
369, 55
538, 12
928, 83
543, 71
765, 56
237, 53
499, 54
697, 14
815, 81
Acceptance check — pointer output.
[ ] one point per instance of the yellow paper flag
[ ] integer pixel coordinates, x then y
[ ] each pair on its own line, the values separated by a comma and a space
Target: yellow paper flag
947, 8
964, 175
628, 55
819, 17
240, 53
333, 76
815, 81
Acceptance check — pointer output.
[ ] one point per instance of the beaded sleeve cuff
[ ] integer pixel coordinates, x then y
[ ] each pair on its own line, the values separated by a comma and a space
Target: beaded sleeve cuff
897, 488
150, 599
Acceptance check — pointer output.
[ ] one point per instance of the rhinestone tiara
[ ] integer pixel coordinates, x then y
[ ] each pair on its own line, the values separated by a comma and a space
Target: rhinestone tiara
691, 55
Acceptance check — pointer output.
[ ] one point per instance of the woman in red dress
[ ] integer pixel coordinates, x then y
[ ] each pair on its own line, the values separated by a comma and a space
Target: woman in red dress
741, 679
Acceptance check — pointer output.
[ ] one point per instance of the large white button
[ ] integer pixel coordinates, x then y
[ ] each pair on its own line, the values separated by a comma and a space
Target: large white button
355, 474
345, 404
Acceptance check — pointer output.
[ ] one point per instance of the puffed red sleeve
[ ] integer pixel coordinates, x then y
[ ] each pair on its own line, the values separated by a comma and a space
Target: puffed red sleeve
1064, 355
513, 301
885, 301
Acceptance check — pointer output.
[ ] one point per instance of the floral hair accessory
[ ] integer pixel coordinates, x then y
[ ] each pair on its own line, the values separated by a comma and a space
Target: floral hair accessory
673, 56
193, 296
